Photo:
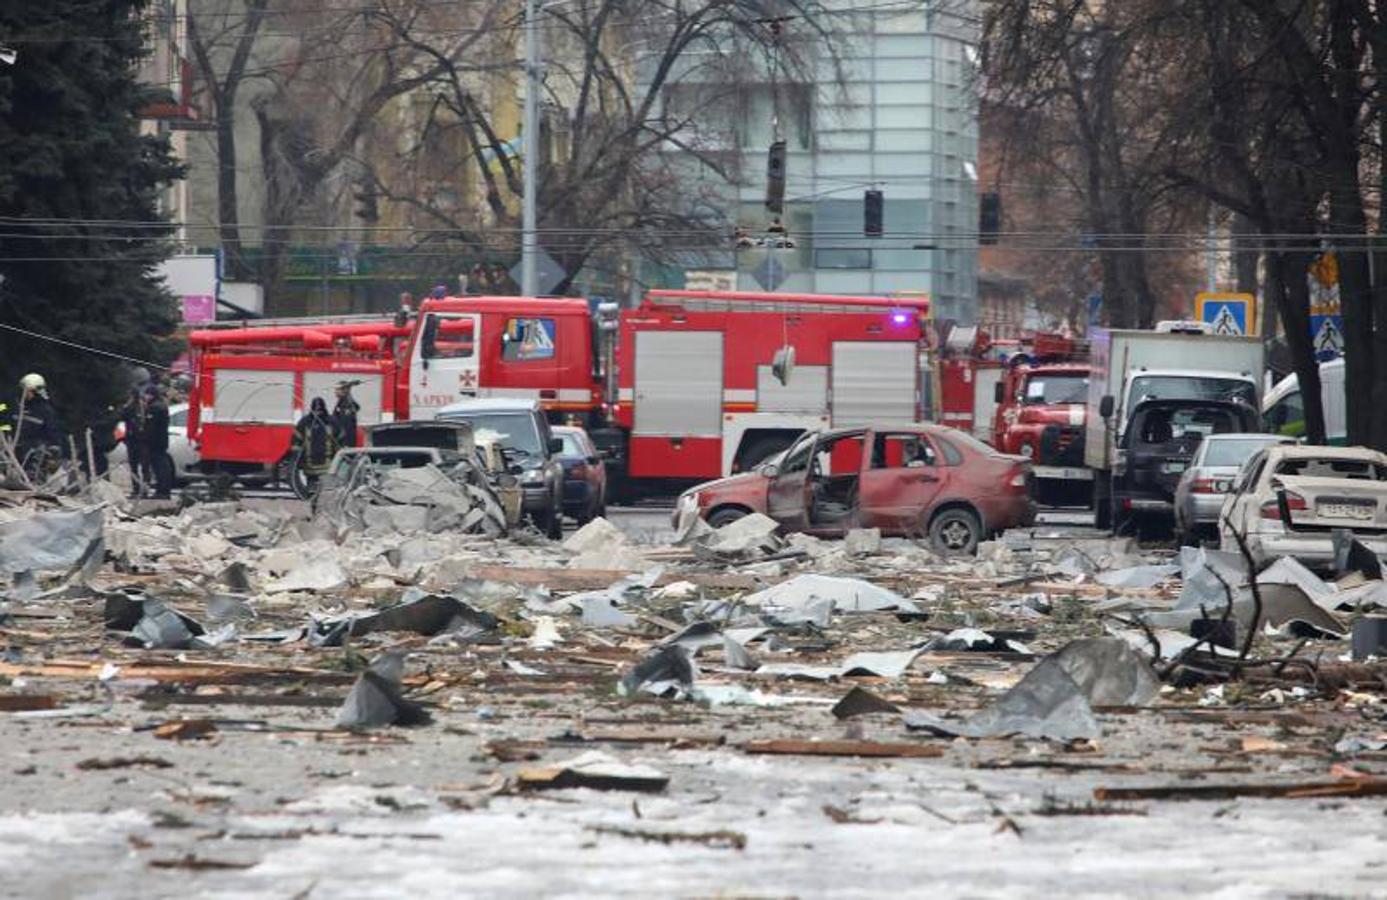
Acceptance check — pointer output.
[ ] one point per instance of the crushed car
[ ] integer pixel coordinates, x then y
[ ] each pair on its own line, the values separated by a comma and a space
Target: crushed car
909, 481
1290, 499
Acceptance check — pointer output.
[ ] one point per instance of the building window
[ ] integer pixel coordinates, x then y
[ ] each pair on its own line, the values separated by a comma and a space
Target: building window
843, 258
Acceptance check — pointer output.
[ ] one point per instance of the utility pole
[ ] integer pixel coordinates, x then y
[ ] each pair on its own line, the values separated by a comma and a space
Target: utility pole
529, 240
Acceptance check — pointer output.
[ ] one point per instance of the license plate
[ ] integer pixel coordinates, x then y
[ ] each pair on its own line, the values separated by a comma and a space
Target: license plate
1173, 468
1342, 510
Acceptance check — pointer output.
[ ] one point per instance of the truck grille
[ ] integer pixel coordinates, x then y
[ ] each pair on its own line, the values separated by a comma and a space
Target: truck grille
1062, 445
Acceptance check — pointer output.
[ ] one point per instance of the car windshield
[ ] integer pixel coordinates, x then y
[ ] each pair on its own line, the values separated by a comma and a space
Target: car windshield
1183, 387
1331, 467
571, 447
1043, 390
513, 431
1234, 451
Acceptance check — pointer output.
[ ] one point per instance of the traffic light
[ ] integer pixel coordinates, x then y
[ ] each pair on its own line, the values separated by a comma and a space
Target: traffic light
873, 207
775, 178
989, 218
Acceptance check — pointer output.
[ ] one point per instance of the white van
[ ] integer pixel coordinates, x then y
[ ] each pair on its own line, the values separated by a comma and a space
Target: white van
1284, 413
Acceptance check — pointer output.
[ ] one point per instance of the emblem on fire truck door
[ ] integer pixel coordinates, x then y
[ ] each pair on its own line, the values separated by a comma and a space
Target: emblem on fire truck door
467, 379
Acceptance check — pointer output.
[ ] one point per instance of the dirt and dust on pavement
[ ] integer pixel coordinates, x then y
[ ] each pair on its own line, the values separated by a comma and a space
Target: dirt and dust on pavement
242, 699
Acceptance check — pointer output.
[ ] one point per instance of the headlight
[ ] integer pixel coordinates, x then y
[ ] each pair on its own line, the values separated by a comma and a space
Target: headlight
688, 501
1018, 480
532, 476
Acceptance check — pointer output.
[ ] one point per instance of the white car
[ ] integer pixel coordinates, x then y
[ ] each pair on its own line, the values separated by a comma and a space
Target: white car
1289, 499
184, 454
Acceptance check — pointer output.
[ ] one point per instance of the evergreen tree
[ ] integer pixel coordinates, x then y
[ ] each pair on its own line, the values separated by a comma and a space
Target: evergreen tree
73, 167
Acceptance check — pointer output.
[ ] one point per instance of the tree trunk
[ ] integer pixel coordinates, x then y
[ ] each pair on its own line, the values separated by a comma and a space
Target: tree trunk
228, 213
1291, 293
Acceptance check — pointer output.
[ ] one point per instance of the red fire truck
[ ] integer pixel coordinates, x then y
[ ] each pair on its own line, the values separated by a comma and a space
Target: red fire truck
695, 392
253, 381
683, 387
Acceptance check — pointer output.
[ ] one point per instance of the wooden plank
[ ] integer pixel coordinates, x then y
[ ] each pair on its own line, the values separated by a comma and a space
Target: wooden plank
1343, 787
596, 579
795, 747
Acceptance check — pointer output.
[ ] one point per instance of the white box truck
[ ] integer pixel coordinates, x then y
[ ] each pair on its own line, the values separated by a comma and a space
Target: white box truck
1131, 368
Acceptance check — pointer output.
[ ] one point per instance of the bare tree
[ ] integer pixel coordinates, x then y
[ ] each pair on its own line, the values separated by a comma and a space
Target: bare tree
639, 97
1096, 77
222, 38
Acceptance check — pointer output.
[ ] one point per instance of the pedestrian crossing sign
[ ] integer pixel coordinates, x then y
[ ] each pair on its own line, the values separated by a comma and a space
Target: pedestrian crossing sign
1227, 313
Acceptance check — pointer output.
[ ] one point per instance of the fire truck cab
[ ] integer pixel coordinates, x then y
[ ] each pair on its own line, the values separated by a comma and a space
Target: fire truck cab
709, 383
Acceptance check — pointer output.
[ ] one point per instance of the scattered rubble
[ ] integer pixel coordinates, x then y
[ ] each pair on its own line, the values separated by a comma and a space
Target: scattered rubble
397, 621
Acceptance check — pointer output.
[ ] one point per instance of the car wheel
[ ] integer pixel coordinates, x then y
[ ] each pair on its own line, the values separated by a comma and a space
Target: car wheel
955, 531
726, 516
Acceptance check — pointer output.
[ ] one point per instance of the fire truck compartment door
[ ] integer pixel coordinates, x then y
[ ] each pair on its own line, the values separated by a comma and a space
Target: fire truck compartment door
444, 365
806, 392
874, 383
678, 383
254, 395
985, 381
367, 394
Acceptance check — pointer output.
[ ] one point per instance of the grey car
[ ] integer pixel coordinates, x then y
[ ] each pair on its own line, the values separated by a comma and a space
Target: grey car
1209, 479
532, 452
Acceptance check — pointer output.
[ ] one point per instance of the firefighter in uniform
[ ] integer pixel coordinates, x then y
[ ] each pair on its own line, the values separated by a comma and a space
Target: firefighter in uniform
315, 443
344, 414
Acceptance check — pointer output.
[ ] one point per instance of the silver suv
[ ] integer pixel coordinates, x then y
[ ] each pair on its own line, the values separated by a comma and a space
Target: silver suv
531, 450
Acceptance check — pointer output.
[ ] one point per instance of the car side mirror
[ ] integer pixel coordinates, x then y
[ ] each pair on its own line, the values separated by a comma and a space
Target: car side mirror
1105, 406
593, 460
998, 392
555, 445
770, 470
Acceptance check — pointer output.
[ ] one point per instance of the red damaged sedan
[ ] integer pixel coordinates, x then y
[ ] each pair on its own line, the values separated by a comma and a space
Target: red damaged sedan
909, 481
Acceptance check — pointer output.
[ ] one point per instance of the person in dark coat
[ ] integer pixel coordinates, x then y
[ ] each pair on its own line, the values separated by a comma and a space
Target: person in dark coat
156, 441
315, 442
136, 449
344, 414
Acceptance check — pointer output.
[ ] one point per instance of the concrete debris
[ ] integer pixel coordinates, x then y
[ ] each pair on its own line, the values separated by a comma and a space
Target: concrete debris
749, 537
599, 536
311, 575
794, 660
862, 542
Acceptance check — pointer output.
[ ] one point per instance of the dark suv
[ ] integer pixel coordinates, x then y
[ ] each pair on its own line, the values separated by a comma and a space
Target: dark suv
1157, 446
531, 452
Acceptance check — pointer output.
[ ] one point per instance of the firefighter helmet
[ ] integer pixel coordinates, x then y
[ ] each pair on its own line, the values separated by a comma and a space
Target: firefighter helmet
33, 382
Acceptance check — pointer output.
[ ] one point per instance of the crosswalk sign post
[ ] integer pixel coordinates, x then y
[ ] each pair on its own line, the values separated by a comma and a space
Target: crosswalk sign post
1227, 313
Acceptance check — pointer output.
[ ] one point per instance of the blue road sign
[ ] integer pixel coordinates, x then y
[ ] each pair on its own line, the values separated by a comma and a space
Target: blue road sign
1228, 313
1327, 336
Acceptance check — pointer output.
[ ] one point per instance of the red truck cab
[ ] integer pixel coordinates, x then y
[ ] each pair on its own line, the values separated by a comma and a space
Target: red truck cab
1040, 415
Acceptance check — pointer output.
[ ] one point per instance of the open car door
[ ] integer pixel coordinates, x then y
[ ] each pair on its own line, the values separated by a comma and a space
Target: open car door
787, 498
